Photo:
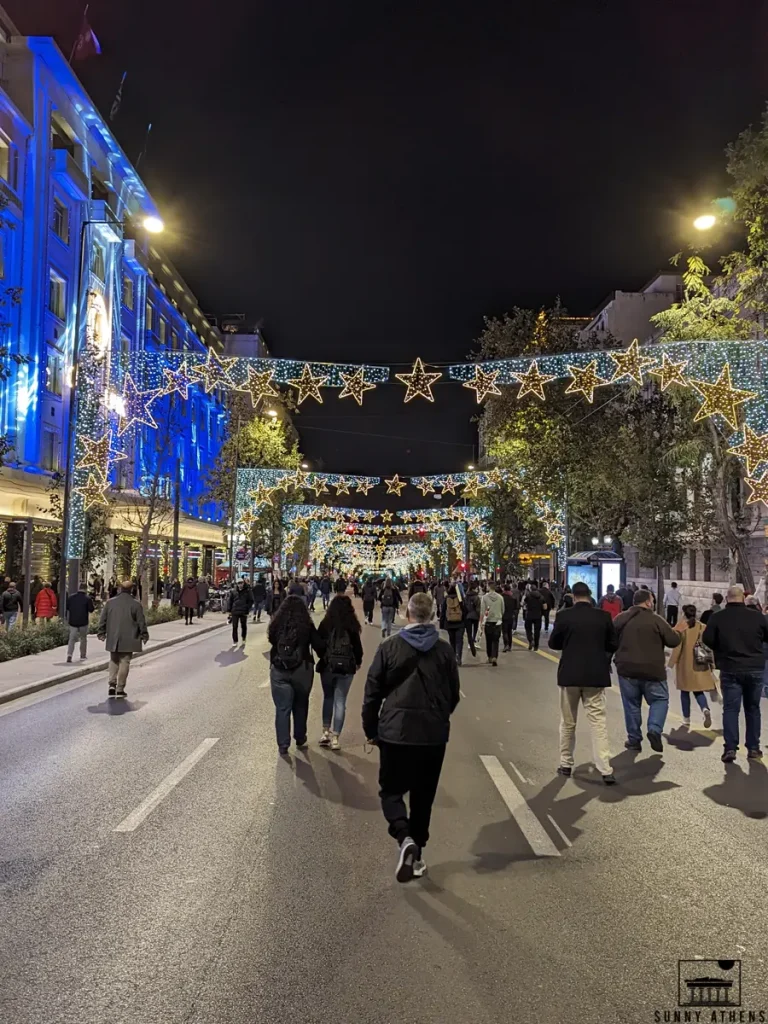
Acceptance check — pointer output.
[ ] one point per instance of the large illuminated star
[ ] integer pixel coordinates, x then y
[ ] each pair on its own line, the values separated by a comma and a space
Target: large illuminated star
759, 489
355, 385
258, 385
93, 492
471, 488
99, 454
363, 485
341, 485
395, 485
425, 486
214, 372
262, 494
585, 380
386, 516
533, 381
136, 404
180, 381
419, 382
670, 373
721, 398
299, 478
753, 449
319, 485
308, 385
483, 383
630, 363
449, 485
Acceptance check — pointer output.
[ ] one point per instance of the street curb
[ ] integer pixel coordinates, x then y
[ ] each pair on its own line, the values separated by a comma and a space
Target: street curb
43, 684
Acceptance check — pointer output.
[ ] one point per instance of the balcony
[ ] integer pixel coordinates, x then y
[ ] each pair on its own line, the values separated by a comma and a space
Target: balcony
66, 171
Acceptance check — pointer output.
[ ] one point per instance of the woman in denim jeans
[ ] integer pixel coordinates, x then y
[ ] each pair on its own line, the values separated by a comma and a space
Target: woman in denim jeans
339, 633
689, 677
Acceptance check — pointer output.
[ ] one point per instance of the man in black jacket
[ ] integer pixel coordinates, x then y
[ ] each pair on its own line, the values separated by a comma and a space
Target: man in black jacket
79, 607
533, 611
587, 639
239, 604
736, 635
410, 694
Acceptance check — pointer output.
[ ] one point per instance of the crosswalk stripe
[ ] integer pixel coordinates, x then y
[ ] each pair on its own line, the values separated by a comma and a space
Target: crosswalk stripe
538, 838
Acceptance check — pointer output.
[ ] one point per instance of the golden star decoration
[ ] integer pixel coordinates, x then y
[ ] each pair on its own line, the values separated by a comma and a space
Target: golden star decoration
299, 478
369, 516
495, 477
319, 486
386, 516
363, 485
248, 519
93, 491
419, 382
753, 449
258, 385
98, 455
533, 381
355, 385
630, 363
395, 485
309, 385
759, 489
483, 384
470, 488
341, 485
670, 373
425, 486
721, 398
180, 380
449, 486
262, 494
136, 405
214, 372
585, 380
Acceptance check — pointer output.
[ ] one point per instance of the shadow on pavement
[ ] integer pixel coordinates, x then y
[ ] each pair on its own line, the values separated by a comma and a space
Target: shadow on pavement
683, 739
116, 707
744, 791
230, 657
342, 778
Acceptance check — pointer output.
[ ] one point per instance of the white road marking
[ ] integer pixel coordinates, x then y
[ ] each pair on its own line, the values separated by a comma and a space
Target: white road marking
530, 826
520, 774
560, 832
148, 805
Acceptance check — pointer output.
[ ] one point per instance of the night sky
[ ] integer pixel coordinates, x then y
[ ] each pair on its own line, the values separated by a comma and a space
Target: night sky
373, 178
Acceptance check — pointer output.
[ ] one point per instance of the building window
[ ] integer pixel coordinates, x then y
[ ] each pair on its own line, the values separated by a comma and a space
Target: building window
49, 457
150, 314
679, 568
57, 295
692, 564
128, 292
162, 327
60, 223
174, 339
707, 564
53, 372
98, 262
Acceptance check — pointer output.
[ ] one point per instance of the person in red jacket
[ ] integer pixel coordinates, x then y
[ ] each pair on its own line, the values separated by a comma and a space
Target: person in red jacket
46, 604
611, 602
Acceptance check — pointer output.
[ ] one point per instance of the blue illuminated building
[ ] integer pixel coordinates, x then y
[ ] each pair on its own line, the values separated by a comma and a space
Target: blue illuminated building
73, 212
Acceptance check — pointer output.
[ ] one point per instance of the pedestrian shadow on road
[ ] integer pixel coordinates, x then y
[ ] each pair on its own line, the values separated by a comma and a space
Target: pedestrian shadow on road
683, 738
116, 707
342, 778
745, 791
230, 657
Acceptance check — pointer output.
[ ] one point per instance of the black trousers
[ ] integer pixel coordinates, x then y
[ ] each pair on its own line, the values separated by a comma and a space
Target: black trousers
492, 634
533, 631
409, 769
243, 620
200, 609
546, 619
472, 626
189, 614
508, 627
672, 614
368, 607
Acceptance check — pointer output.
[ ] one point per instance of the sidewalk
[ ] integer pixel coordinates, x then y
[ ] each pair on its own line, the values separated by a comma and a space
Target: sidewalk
38, 671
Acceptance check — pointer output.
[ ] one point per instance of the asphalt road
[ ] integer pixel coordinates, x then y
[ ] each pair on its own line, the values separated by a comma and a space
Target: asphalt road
257, 890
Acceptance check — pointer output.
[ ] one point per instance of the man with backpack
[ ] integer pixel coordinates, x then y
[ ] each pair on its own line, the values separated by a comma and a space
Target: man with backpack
611, 602
511, 598
492, 612
453, 621
389, 601
410, 694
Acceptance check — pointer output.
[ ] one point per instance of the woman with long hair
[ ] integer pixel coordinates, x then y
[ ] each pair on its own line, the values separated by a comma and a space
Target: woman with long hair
292, 636
692, 675
343, 655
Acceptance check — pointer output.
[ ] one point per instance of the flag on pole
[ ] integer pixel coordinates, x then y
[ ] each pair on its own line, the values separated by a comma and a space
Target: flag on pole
86, 44
115, 108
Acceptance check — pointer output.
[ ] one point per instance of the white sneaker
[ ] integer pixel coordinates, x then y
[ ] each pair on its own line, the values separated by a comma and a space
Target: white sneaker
408, 852
419, 868
335, 745
686, 721
325, 739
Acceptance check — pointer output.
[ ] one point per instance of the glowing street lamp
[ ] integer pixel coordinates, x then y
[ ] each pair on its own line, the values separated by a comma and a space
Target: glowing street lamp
705, 222
153, 225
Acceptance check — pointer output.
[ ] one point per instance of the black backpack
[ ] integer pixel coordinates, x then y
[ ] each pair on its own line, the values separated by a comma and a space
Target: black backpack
387, 598
339, 657
288, 653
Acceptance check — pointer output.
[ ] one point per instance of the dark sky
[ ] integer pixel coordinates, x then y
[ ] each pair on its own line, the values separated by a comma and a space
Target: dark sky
373, 178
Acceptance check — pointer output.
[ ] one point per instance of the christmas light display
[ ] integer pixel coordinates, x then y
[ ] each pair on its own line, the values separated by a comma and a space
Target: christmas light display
135, 406
92, 491
483, 383
214, 372
258, 385
355, 385
753, 449
721, 398
631, 363
308, 385
419, 382
395, 485
533, 381
179, 381
759, 489
99, 454
585, 380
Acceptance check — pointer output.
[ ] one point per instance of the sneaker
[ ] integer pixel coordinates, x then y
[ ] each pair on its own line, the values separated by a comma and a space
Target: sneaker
530, 647
325, 739
282, 751
408, 853
335, 745
83, 657
707, 718
495, 662
728, 756
120, 693
302, 744
755, 755
564, 770
69, 659
633, 744
609, 780
686, 721
536, 648
111, 691
654, 738
419, 868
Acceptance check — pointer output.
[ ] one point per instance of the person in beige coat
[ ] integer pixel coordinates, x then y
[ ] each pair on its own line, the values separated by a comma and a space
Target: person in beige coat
689, 677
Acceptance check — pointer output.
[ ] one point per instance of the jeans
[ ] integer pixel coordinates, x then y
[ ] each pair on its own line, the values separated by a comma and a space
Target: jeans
188, 614
243, 620
9, 618
119, 664
456, 638
685, 701
492, 634
387, 618
741, 687
672, 614
326, 599
409, 769
656, 693
508, 627
533, 632
472, 627
290, 692
77, 633
258, 608
335, 691
200, 609
593, 699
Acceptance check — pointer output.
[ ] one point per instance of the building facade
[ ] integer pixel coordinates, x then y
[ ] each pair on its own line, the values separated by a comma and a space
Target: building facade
626, 315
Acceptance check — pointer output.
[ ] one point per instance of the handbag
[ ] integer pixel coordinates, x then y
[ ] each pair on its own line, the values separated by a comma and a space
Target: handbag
703, 658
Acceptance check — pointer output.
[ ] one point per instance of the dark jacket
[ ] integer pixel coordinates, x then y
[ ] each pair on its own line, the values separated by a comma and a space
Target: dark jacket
11, 600
189, 595
397, 598
586, 637
472, 601
325, 585
643, 635
122, 624
312, 641
202, 591
240, 602
417, 587
533, 605
369, 594
259, 591
412, 689
511, 605
354, 638
547, 599
627, 596
736, 635
79, 607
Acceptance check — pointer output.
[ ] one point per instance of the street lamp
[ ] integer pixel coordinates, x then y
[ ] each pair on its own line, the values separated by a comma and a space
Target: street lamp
272, 413
153, 225
595, 541
470, 466
705, 222
607, 539
305, 465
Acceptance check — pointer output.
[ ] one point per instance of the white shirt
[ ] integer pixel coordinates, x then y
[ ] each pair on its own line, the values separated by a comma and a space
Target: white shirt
672, 596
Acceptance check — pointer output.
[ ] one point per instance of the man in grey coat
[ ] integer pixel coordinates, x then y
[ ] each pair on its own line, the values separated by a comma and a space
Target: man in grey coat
123, 627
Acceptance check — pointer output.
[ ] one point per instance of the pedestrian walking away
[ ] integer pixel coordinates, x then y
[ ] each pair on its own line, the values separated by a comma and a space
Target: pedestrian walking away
587, 638
239, 603
547, 604
35, 587
672, 600
11, 602
411, 692
203, 590
292, 637
472, 615
123, 629
736, 636
511, 596
342, 657
325, 590
533, 611
716, 605
189, 600
79, 608
259, 592
369, 600
640, 662
46, 602
453, 621
492, 613
611, 602
389, 601
693, 663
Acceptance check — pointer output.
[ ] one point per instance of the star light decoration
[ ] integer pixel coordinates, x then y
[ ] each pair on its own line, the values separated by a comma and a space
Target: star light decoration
585, 380
533, 381
93, 492
136, 404
341, 485
395, 485
214, 372
419, 382
471, 488
355, 385
319, 486
99, 454
759, 489
180, 381
309, 385
299, 478
386, 516
258, 385
753, 449
630, 363
248, 519
483, 384
449, 485
670, 373
425, 486
261, 494
363, 486
721, 398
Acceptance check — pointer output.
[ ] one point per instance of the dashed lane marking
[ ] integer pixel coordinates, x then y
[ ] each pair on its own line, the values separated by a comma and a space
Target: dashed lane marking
145, 808
519, 774
559, 831
535, 833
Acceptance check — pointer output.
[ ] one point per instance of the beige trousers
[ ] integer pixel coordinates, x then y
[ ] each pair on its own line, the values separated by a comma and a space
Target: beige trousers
119, 663
593, 699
